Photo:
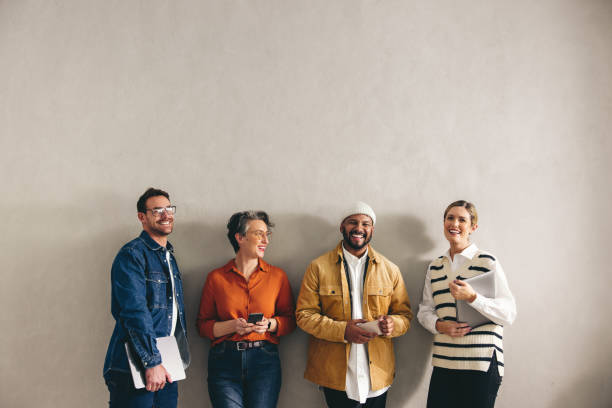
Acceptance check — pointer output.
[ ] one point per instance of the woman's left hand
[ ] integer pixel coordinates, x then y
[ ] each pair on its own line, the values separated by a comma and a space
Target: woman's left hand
261, 326
462, 290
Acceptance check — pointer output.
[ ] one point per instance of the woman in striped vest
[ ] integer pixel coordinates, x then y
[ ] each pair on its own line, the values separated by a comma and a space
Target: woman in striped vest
468, 361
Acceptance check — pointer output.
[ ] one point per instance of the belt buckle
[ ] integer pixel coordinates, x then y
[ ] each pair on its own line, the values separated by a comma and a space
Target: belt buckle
242, 345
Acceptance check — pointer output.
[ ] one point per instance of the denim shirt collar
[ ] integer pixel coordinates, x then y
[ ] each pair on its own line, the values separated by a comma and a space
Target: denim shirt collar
152, 244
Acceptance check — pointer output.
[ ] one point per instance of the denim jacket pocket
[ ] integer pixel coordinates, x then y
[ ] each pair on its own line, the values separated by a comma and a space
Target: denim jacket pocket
156, 290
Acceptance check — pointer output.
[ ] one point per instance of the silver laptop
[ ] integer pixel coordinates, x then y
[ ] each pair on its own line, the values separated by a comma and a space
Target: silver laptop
171, 360
484, 285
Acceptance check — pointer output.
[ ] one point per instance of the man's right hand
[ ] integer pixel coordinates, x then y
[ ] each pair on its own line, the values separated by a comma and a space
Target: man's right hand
355, 334
156, 378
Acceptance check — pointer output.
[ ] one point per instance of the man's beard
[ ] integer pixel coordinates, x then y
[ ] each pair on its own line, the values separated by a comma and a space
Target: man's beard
349, 244
160, 231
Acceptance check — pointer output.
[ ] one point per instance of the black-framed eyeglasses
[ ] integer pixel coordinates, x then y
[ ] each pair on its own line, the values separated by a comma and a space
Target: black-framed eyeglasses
158, 211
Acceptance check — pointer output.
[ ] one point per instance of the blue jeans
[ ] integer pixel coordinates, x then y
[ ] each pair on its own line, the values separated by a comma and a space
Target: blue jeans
124, 395
244, 379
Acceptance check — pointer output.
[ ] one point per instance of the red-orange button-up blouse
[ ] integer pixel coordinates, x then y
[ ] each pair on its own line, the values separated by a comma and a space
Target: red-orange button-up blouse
227, 295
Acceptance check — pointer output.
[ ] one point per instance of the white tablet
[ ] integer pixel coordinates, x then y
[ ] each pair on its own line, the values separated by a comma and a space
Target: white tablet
171, 360
484, 285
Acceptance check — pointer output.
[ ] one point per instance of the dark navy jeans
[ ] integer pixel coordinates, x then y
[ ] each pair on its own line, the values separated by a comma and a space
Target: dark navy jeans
244, 379
124, 395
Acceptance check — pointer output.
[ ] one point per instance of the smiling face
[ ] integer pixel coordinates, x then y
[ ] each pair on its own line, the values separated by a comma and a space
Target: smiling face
458, 226
357, 231
254, 243
159, 226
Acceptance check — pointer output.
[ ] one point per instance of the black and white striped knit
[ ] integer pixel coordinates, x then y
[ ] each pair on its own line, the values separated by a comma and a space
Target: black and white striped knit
474, 350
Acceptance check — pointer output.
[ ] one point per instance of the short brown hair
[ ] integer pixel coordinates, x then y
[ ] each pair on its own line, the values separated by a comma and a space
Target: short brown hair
141, 204
471, 209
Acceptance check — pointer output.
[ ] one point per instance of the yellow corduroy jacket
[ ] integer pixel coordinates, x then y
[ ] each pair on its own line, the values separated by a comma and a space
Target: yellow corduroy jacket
324, 307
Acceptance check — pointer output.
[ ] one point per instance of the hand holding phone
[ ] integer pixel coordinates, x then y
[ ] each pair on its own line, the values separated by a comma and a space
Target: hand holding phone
241, 326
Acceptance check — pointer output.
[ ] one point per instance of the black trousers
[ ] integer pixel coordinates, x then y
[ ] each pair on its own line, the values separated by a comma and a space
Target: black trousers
464, 388
338, 399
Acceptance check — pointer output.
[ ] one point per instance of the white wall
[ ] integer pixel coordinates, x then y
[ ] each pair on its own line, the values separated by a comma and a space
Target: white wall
299, 108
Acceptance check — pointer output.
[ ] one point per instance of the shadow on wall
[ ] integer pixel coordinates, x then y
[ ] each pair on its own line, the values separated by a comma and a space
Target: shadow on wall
201, 247
403, 240
59, 292
297, 240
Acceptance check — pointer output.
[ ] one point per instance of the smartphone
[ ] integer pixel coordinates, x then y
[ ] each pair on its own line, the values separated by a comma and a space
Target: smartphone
255, 317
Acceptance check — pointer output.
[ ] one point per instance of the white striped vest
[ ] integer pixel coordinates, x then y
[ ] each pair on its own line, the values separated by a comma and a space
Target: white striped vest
473, 351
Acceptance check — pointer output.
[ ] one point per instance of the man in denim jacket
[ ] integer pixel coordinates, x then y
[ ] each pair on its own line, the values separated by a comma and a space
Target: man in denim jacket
147, 302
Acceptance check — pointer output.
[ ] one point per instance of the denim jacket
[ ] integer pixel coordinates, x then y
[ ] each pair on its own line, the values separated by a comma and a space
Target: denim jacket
142, 304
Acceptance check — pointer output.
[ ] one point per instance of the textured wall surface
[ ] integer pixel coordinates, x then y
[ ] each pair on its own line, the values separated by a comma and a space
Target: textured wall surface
299, 108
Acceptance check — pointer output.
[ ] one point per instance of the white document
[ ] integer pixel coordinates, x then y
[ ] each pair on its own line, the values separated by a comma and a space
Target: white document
371, 327
171, 360
484, 285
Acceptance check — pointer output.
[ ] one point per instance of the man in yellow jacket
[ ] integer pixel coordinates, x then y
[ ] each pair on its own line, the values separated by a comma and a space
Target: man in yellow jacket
352, 302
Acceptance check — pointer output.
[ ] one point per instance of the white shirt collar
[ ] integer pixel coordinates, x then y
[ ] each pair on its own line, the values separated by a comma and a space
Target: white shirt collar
468, 252
352, 259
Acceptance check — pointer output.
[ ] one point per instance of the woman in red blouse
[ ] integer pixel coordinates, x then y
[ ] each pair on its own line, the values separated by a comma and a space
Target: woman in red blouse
243, 363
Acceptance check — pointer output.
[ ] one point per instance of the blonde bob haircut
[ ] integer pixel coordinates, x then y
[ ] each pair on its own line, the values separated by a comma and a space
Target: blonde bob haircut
471, 209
